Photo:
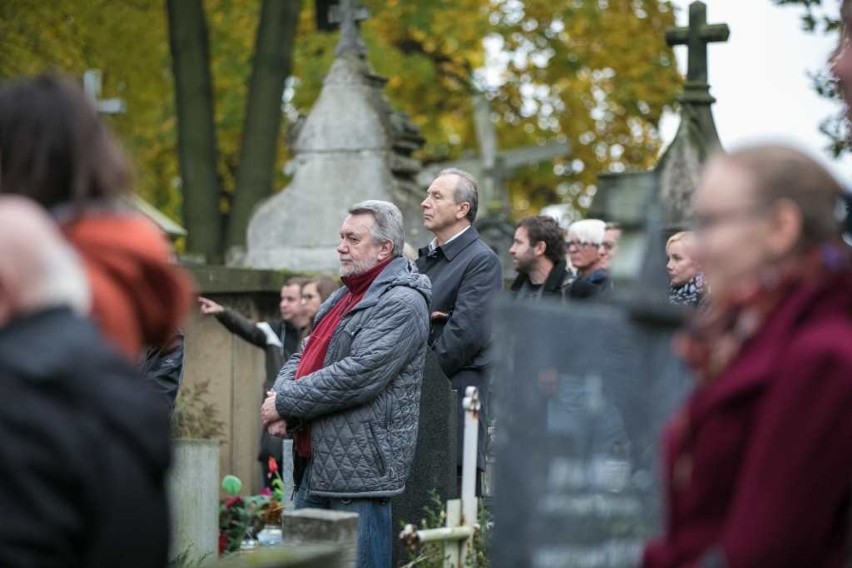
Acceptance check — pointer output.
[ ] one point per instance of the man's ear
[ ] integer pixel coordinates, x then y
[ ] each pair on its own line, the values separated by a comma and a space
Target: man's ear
385, 250
785, 227
463, 210
540, 248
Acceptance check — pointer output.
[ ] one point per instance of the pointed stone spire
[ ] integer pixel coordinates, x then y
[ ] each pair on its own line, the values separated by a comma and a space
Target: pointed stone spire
348, 14
696, 137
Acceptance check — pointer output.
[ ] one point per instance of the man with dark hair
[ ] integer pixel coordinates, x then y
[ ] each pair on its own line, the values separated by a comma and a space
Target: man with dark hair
538, 254
279, 340
85, 442
466, 276
351, 397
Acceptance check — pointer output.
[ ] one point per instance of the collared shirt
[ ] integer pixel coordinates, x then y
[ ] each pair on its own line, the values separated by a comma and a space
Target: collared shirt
434, 244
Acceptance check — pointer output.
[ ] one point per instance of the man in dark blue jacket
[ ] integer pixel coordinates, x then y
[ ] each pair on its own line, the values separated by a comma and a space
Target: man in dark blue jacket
466, 276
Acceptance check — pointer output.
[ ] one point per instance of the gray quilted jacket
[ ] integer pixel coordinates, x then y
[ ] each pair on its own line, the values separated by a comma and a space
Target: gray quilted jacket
364, 404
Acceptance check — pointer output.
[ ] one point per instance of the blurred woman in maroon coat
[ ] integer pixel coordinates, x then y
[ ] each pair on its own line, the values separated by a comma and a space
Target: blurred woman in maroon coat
758, 462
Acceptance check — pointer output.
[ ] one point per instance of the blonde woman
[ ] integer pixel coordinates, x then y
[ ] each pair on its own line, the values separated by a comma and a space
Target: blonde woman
687, 281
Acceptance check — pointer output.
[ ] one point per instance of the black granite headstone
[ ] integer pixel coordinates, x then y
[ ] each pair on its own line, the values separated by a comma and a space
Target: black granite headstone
582, 394
434, 468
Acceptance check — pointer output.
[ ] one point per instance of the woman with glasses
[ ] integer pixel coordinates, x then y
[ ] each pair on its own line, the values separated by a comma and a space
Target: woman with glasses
758, 462
585, 239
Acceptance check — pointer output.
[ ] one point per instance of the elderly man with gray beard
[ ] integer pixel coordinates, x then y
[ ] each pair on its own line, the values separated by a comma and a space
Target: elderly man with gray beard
351, 397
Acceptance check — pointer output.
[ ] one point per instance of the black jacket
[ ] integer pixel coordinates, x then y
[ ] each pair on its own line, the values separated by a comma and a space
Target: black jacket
466, 277
595, 284
557, 284
163, 366
250, 331
84, 452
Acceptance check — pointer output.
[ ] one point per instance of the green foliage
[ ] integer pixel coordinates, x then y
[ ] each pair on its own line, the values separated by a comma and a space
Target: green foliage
595, 74
186, 560
242, 518
431, 555
194, 416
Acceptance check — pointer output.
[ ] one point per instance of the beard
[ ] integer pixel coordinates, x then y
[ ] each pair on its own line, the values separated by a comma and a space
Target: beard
355, 268
524, 264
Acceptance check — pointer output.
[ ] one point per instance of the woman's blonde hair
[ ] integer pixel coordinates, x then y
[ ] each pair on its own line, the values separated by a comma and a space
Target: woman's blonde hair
687, 237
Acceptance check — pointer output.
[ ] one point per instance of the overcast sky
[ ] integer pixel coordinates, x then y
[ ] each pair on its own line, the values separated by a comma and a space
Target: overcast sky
759, 77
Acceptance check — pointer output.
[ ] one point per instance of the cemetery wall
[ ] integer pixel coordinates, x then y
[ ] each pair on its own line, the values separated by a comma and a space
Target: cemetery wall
235, 368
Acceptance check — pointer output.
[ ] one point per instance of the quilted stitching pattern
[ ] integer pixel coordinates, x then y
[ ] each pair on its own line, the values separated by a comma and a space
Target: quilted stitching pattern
363, 404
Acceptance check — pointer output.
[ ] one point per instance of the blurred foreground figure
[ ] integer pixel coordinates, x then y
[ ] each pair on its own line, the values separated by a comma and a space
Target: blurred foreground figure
55, 150
85, 443
758, 462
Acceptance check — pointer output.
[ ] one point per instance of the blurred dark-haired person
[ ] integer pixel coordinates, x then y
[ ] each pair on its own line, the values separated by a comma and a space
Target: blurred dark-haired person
685, 277
55, 150
85, 442
538, 254
758, 462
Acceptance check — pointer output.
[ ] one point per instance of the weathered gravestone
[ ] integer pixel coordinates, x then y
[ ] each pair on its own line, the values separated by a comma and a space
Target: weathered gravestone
583, 392
433, 472
313, 527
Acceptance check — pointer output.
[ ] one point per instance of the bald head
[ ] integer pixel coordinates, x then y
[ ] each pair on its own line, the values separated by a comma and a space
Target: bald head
39, 269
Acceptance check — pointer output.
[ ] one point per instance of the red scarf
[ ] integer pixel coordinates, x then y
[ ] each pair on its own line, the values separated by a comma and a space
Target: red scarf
715, 337
313, 357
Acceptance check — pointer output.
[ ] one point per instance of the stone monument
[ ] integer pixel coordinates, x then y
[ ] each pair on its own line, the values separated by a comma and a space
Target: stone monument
351, 147
624, 197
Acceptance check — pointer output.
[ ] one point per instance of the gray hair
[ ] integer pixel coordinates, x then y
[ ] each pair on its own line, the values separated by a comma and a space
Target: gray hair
388, 225
465, 190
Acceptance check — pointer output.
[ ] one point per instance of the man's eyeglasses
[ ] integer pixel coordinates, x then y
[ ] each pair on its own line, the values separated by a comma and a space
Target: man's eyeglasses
579, 244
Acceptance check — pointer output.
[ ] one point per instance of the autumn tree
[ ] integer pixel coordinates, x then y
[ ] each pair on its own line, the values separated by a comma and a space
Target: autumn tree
595, 74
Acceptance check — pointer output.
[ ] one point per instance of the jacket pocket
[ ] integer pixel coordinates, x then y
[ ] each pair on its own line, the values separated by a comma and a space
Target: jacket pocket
375, 448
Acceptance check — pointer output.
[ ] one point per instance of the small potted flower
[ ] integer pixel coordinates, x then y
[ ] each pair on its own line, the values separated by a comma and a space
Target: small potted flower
254, 521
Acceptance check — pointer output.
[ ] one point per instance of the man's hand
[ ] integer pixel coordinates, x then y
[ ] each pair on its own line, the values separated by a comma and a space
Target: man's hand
278, 428
209, 307
268, 412
440, 316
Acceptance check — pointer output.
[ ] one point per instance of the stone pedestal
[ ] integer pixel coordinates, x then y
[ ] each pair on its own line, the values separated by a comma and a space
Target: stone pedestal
193, 487
318, 526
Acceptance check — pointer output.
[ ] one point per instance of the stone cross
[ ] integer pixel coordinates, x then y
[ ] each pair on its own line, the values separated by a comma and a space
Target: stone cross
92, 85
696, 36
493, 167
347, 14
